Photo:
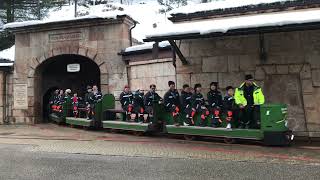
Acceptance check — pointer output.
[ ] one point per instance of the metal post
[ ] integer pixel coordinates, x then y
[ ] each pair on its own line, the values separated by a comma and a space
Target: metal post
75, 7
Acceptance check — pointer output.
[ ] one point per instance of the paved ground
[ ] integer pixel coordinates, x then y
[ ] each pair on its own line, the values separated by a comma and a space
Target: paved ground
53, 152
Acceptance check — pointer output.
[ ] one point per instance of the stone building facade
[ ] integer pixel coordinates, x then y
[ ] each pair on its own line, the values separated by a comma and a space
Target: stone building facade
290, 73
95, 42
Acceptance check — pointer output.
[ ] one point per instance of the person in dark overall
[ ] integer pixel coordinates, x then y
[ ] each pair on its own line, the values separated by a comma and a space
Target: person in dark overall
150, 98
53, 101
138, 105
126, 100
94, 98
229, 106
172, 101
87, 102
215, 104
249, 97
59, 101
198, 104
186, 104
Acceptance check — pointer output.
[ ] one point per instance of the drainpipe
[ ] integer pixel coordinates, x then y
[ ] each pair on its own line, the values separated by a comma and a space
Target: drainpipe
4, 98
130, 32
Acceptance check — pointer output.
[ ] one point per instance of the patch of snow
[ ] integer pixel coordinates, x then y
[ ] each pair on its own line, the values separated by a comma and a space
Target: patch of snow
146, 46
8, 53
221, 4
239, 22
6, 64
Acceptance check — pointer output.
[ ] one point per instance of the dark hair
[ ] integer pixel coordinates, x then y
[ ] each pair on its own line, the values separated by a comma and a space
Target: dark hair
229, 87
152, 85
196, 86
214, 83
185, 86
248, 77
170, 83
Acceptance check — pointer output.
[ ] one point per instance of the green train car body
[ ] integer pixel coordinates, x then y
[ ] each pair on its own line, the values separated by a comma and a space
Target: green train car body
273, 131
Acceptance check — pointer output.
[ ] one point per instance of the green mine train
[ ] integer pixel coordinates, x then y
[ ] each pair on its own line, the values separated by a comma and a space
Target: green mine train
273, 131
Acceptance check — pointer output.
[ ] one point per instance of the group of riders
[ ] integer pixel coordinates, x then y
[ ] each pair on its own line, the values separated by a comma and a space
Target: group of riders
91, 98
239, 108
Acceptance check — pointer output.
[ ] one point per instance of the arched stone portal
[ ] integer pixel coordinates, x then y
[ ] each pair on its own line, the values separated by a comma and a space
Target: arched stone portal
53, 74
44, 50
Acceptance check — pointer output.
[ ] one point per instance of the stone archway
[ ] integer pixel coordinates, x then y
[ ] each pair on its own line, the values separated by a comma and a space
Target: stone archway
67, 55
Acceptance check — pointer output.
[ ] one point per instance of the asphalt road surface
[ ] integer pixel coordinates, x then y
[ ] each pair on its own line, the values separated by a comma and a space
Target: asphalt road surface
53, 152
16, 163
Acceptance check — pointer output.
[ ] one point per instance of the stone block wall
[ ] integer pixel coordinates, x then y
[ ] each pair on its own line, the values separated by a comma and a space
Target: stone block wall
290, 74
99, 42
158, 71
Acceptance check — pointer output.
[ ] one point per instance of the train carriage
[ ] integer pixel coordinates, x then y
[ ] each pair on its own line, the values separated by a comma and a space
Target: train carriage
273, 130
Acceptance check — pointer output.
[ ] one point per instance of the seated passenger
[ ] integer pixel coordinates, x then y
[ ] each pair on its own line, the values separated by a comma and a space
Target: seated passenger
59, 101
53, 100
215, 104
249, 97
138, 104
75, 104
150, 98
198, 104
229, 106
186, 104
87, 102
172, 101
126, 100
94, 98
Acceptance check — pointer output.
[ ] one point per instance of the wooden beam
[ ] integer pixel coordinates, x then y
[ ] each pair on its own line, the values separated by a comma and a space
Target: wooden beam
179, 53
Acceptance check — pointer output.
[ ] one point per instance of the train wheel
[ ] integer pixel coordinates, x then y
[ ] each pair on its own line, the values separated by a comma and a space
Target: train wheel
189, 137
229, 140
137, 133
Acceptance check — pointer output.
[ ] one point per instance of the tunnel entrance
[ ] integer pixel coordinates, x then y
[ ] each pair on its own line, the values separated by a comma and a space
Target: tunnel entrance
63, 72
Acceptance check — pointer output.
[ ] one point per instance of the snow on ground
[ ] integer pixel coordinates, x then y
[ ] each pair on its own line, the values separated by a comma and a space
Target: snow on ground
239, 22
146, 46
8, 53
220, 4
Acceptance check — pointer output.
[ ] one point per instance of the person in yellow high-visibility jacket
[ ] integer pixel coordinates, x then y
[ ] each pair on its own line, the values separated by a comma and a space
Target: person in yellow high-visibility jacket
249, 97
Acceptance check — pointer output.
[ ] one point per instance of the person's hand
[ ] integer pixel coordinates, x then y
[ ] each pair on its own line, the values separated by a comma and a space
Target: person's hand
242, 106
193, 109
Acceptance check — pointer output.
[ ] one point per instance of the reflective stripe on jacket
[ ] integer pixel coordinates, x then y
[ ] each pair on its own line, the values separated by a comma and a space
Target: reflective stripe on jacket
258, 97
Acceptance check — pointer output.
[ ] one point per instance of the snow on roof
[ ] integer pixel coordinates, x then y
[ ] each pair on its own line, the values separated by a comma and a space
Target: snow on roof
221, 4
39, 22
239, 22
8, 53
146, 46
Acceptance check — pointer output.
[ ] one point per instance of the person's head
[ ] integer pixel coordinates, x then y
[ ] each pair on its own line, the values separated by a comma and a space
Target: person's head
141, 91
197, 88
75, 95
249, 80
171, 85
95, 88
186, 88
60, 92
89, 89
230, 91
56, 91
214, 85
153, 87
126, 89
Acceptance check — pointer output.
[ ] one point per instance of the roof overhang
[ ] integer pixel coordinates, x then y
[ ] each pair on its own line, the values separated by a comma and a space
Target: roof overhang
237, 32
73, 23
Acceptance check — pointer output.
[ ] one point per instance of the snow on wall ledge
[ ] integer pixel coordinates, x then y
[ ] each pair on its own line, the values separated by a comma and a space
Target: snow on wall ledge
109, 15
220, 5
8, 53
240, 22
146, 46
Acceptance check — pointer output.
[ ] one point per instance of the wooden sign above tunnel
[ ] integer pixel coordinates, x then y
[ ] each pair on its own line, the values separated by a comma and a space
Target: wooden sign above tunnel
73, 67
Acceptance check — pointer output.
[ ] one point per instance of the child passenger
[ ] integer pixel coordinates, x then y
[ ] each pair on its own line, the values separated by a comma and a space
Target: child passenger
199, 104
229, 105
